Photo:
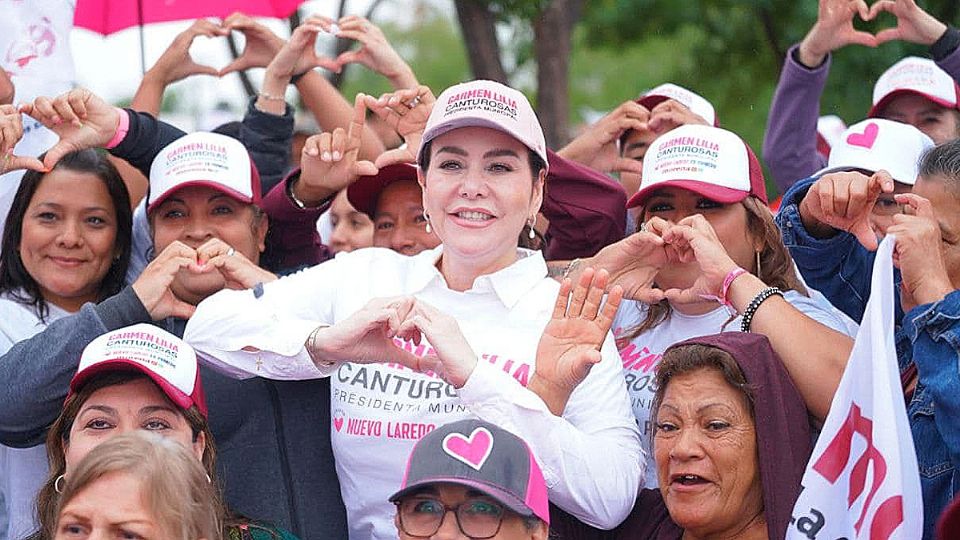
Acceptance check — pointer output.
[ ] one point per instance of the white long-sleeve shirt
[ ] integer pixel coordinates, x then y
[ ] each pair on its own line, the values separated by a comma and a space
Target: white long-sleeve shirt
591, 457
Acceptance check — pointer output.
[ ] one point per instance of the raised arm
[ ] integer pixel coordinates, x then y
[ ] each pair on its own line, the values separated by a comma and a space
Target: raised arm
790, 141
174, 65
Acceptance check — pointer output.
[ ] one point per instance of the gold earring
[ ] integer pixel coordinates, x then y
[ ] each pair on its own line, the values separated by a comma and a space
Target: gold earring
532, 234
758, 264
426, 216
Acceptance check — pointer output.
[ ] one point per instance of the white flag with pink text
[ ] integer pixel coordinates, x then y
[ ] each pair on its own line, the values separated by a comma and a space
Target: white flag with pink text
862, 480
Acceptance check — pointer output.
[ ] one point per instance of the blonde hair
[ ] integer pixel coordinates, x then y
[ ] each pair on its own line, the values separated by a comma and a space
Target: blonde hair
58, 436
173, 483
776, 265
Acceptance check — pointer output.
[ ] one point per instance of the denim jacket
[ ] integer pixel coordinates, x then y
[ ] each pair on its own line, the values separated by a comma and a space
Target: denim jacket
930, 338
839, 266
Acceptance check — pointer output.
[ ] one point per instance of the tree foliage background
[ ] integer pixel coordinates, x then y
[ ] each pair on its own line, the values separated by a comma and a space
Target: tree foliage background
729, 51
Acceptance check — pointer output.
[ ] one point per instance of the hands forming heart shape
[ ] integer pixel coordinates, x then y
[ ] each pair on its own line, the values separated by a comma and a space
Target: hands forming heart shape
834, 27
635, 262
262, 47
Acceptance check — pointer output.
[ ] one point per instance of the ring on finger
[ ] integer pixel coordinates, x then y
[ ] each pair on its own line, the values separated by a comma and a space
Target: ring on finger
413, 102
231, 252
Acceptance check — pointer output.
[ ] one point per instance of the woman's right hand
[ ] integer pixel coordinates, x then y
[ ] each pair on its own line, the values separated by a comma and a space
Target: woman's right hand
11, 131
635, 261
176, 63
366, 337
153, 285
844, 201
79, 117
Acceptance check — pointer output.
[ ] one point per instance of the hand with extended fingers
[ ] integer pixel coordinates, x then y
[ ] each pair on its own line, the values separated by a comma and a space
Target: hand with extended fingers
452, 358
176, 63
844, 201
80, 118
367, 336
329, 160
375, 52
299, 55
237, 270
153, 285
634, 262
597, 146
570, 344
918, 253
913, 23
834, 27
11, 131
670, 114
406, 111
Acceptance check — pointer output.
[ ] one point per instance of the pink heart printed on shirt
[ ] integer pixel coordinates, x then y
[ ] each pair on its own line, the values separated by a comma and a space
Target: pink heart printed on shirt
473, 450
865, 139
338, 420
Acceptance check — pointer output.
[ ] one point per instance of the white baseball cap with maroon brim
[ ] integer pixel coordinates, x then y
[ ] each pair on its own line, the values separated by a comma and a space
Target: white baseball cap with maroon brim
166, 359
697, 104
483, 103
708, 160
914, 75
204, 159
877, 144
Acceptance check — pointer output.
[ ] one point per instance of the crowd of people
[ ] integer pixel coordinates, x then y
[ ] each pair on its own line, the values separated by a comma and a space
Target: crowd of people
422, 310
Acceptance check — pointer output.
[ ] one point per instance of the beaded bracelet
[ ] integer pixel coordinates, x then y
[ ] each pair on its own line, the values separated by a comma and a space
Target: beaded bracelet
751, 310
271, 97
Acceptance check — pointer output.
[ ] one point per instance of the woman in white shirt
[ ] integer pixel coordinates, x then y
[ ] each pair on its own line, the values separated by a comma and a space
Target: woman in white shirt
68, 243
708, 258
481, 304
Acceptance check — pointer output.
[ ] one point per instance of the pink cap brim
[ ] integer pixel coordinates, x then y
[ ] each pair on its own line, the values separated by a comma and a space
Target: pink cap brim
711, 191
475, 121
120, 364
882, 104
204, 183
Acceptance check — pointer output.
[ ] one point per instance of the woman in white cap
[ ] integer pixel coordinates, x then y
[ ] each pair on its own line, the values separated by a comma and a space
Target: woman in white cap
412, 343
138, 378
208, 228
708, 258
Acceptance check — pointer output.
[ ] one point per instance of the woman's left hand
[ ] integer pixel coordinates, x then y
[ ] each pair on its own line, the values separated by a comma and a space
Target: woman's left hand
570, 344
694, 239
454, 360
917, 253
238, 271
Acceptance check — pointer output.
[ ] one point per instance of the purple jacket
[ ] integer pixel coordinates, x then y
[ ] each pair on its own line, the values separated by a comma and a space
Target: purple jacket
790, 142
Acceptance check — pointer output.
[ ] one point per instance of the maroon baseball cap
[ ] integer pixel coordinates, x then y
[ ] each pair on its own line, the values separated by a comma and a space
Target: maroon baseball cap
163, 357
708, 160
365, 192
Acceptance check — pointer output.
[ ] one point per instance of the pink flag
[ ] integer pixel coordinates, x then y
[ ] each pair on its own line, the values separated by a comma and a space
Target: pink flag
862, 480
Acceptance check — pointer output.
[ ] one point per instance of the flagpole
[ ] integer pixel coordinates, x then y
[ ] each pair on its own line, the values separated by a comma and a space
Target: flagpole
143, 54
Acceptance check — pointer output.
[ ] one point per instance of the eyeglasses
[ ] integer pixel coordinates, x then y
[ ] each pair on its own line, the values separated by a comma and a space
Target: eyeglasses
477, 518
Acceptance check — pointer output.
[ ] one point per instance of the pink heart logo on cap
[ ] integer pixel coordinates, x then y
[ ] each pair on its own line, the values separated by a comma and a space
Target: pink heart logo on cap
865, 139
473, 450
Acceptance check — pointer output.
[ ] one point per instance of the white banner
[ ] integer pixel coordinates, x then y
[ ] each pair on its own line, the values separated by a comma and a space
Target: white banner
862, 480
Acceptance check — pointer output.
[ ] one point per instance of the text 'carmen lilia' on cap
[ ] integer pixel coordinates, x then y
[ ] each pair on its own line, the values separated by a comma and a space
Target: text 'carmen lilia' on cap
914, 75
488, 104
163, 357
708, 160
204, 159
